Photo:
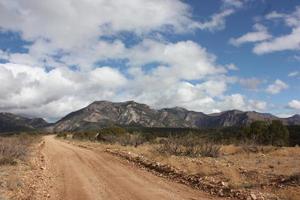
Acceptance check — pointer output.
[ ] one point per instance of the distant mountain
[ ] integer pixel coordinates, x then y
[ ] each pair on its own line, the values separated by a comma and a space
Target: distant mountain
105, 113
14, 123
294, 120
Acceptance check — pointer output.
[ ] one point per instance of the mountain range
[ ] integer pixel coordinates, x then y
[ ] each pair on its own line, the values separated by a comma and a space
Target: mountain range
130, 113
15, 123
104, 113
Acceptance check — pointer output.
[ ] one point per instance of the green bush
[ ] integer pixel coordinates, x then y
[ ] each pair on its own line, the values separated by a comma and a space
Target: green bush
119, 135
259, 132
85, 135
62, 135
110, 133
274, 133
278, 134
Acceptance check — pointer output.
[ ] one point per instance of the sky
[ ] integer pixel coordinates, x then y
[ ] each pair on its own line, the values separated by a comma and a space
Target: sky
209, 56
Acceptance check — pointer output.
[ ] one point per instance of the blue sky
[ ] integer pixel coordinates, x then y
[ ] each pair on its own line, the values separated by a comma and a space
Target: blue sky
207, 56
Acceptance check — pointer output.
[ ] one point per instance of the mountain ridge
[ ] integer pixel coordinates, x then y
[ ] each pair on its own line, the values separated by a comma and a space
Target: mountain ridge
131, 113
12, 123
99, 114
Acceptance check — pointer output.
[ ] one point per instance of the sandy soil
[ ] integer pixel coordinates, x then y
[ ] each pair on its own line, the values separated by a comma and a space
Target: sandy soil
79, 173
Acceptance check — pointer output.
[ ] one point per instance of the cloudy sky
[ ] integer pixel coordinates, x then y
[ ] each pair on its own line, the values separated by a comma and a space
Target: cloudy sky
57, 56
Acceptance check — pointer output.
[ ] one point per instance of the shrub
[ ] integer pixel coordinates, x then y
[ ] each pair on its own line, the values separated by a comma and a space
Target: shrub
278, 133
275, 133
119, 135
131, 140
7, 161
62, 135
110, 134
189, 145
259, 132
85, 136
14, 148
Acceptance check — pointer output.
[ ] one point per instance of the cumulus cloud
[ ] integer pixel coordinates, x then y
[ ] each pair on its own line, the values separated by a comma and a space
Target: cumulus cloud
29, 89
276, 87
182, 60
51, 94
260, 33
294, 104
238, 101
257, 105
62, 68
66, 26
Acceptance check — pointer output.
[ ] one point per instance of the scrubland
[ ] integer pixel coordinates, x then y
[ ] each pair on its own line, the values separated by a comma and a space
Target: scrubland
16, 169
255, 170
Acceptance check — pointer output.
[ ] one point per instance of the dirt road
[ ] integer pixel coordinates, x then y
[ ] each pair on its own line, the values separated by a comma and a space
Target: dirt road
83, 174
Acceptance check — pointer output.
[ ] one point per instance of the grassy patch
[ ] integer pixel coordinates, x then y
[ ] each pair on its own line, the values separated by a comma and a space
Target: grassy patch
14, 148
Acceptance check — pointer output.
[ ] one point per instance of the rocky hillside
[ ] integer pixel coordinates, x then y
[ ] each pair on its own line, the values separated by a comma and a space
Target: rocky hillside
105, 113
13, 123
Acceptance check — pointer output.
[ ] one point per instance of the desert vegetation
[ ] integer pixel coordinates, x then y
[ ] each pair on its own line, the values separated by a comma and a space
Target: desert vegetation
188, 145
257, 133
15, 165
15, 148
256, 159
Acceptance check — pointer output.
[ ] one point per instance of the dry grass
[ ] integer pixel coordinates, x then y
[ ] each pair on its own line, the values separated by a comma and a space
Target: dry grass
14, 148
190, 145
15, 166
236, 167
240, 167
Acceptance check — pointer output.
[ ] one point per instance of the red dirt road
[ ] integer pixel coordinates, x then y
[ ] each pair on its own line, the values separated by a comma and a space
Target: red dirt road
82, 174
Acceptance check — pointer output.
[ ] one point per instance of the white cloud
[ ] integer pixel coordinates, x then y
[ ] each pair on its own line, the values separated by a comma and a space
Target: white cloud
260, 34
240, 102
181, 60
274, 15
73, 30
277, 87
281, 43
234, 3
51, 94
289, 41
257, 105
266, 42
79, 19
217, 21
28, 88
294, 104
62, 69
232, 67
169, 84
79, 23
294, 73
290, 19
